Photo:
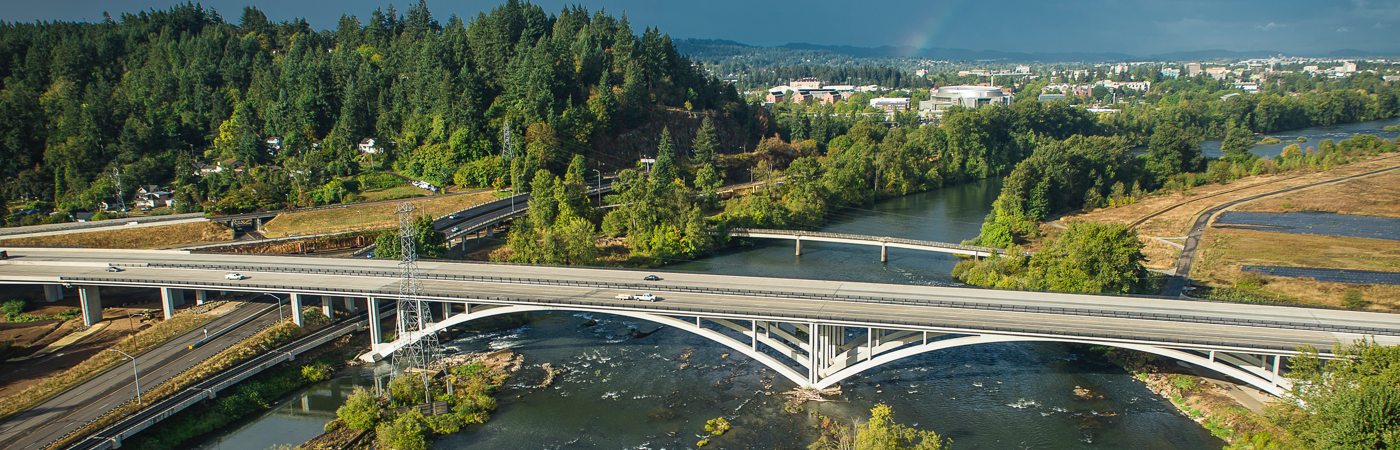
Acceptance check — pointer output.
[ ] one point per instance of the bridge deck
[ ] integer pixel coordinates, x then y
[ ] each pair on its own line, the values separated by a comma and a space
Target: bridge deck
1182, 323
879, 241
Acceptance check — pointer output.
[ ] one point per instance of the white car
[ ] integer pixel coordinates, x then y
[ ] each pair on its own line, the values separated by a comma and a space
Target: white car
233, 276
647, 298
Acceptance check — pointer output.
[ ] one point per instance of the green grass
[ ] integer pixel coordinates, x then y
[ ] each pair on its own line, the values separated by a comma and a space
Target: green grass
393, 193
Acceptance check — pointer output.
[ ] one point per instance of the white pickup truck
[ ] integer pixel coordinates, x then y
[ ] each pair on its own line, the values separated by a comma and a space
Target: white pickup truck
642, 297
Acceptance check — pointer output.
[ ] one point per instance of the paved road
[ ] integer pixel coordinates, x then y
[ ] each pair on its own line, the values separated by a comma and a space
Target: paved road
65, 413
1183, 263
1152, 321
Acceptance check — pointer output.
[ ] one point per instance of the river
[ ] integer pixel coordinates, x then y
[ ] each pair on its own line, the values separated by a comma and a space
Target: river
656, 392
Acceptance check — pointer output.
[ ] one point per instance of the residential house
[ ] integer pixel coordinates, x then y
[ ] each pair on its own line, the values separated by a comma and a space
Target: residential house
152, 196
370, 145
274, 145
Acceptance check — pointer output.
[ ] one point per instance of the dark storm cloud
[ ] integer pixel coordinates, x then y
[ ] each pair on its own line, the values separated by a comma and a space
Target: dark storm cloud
1133, 27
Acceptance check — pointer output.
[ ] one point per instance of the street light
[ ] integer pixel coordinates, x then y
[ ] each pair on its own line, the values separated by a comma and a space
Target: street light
131, 327
133, 370
281, 317
600, 187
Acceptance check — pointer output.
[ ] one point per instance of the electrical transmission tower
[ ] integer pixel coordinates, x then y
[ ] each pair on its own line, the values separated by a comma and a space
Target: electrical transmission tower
413, 315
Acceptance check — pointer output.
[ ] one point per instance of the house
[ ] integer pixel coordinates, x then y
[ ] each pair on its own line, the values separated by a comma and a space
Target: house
369, 145
274, 145
152, 196
775, 97
82, 216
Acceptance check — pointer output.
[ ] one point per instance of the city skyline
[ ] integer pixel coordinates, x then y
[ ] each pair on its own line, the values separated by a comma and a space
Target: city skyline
1100, 26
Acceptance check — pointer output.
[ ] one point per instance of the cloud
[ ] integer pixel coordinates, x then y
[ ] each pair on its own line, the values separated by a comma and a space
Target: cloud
1378, 25
1270, 26
1343, 30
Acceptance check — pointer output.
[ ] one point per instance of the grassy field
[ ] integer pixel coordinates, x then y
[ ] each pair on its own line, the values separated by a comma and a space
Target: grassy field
1177, 221
370, 217
1224, 250
134, 238
394, 193
1371, 196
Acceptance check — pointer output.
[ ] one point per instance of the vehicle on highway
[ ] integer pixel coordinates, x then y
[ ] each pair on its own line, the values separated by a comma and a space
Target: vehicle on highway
451, 216
456, 229
623, 296
652, 278
647, 298
4, 254
234, 276
113, 269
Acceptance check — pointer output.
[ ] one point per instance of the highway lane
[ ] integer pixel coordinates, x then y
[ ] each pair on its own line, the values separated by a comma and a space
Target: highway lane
961, 308
68, 411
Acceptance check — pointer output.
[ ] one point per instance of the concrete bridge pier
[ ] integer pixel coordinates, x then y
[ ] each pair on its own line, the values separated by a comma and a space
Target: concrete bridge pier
201, 297
376, 331
53, 292
169, 299
91, 300
446, 310
799, 246
296, 302
351, 305
884, 253
328, 306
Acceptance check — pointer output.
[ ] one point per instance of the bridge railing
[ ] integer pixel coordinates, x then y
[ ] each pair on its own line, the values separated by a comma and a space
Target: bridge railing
858, 237
815, 296
664, 309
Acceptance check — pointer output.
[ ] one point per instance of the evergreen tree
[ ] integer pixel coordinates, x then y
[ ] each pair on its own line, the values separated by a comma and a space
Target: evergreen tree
704, 143
664, 170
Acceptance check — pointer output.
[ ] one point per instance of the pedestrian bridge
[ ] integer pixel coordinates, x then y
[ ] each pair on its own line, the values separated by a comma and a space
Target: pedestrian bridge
881, 241
815, 333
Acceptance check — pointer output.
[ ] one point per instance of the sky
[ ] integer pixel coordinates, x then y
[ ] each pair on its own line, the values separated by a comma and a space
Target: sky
1133, 27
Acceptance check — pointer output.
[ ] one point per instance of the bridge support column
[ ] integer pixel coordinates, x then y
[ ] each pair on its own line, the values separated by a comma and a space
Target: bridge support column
201, 297
296, 301
53, 292
446, 310
91, 300
799, 246
350, 305
169, 299
328, 306
376, 333
884, 253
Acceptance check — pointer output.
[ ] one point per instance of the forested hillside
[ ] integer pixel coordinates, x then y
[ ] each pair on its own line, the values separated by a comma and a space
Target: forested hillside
150, 95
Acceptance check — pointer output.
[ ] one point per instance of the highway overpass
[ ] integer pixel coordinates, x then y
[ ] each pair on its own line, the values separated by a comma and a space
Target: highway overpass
815, 333
883, 242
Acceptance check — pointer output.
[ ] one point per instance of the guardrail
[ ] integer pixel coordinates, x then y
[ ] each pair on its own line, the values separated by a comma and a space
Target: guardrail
858, 237
112, 436
17, 231
663, 309
779, 294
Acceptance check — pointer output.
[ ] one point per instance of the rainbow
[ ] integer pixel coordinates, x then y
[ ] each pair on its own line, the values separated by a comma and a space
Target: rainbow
933, 27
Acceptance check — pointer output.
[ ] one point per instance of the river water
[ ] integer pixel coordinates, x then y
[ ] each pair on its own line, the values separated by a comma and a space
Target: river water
657, 391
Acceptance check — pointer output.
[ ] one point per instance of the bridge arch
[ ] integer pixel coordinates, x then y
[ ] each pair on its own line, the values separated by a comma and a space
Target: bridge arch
1253, 376
384, 350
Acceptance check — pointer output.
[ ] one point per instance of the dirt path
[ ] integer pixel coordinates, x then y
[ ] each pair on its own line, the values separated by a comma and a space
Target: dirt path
1183, 265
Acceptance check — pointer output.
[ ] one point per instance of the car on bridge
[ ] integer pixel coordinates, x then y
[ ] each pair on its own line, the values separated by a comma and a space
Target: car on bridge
113, 269
234, 276
456, 229
652, 278
4, 254
647, 298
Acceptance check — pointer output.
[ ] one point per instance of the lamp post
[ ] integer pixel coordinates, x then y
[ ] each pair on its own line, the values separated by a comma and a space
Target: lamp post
281, 317
600, 187
131, 326
133, 370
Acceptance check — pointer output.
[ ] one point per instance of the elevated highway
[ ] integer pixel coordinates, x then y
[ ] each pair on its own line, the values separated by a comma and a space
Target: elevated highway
814, 332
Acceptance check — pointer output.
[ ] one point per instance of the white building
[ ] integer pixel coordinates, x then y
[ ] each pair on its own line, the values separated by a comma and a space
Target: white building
968, 96
369, 145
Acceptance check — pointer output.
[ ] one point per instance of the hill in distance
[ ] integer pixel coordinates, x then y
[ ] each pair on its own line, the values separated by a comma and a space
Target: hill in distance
718, 49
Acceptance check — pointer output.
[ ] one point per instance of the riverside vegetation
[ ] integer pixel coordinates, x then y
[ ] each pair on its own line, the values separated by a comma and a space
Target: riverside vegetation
393, 420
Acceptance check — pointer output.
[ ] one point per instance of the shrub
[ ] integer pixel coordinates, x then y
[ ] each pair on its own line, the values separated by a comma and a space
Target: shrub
316, 372
1351, 299
717, 426
360, 411
407, 432
13, 309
